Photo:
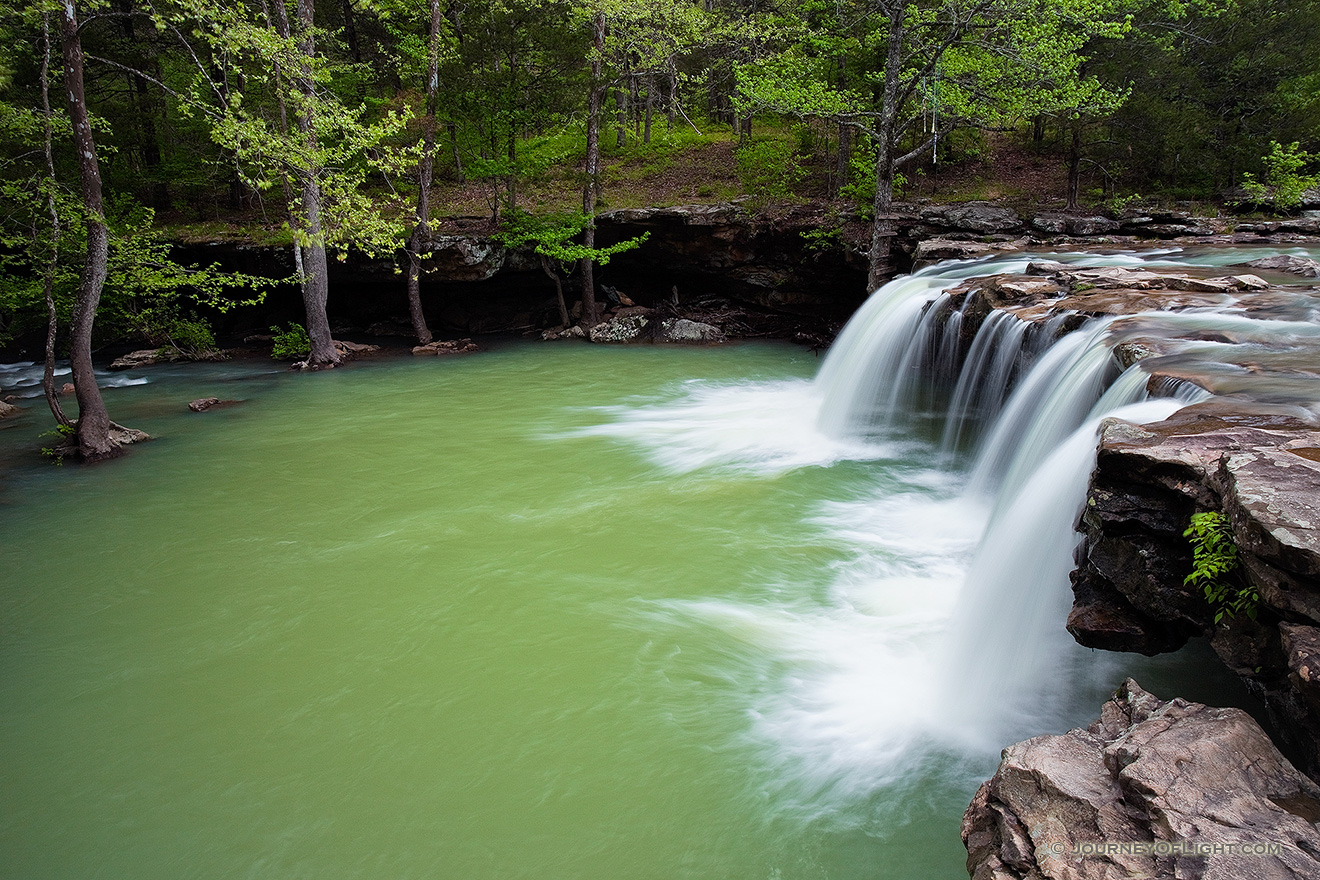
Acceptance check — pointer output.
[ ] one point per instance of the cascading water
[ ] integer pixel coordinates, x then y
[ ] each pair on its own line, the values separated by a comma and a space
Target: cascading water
945, 630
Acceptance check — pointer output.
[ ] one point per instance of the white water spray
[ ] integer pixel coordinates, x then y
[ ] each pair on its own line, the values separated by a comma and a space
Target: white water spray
943, 631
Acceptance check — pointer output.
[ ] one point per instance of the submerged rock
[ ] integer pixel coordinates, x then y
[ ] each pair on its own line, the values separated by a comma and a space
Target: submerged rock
446, 346
348, 349
202, 404
1151, 789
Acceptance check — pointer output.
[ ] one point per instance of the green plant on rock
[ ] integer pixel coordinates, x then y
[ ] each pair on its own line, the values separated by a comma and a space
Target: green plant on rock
291, 344
1214, 564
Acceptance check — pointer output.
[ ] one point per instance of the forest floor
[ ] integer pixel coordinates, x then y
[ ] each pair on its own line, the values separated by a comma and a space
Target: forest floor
684, 167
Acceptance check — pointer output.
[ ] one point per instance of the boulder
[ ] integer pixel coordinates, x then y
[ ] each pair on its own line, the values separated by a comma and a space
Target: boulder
689, 332
446, 346
973, 217
8, 409
572, 332
1294, 265
620, 328
67, 388
142, 358
125, 436
1093, 226
1151, 789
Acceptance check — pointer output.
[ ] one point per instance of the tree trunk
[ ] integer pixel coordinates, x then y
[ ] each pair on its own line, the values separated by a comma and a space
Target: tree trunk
882, 226
1075, 167
650, 104
52, 317
316, 281
425, 171
559, 290
94, 441
590, 315
350, 32
621, 118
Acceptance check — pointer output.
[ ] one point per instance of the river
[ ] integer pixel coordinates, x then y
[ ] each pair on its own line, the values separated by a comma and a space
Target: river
550, 611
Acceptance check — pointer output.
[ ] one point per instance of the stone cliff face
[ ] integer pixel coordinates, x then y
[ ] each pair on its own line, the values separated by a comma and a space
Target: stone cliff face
1263, 471
802, 260
1150, 789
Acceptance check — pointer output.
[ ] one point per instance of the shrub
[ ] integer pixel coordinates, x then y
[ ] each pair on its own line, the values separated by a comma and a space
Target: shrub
1214, 563
1284, 181
291, 344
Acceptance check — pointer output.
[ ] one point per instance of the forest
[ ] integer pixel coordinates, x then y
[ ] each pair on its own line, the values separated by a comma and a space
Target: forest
354, 125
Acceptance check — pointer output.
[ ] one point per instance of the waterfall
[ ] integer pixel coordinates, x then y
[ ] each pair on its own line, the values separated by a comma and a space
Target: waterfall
938, 628
1030, 403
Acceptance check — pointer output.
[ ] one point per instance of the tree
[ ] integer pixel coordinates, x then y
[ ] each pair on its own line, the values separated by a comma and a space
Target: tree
327, 153
94, 441
963, 62
550, 237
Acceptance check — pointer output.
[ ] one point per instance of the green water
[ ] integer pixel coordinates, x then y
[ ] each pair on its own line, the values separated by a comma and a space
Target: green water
405, 620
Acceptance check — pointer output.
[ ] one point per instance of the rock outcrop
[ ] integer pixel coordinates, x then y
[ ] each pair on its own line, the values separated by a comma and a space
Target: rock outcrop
1263, 471
1294, 265
145, 357
1151, 789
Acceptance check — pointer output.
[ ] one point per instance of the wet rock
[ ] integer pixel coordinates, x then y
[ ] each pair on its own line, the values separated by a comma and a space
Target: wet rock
8, 409
445, 347
682, 330
142, 358
974, 217
126, 436
202, 404
1093, 226
1294, 265
932, 250
573, 332
353, 349
1175, 230
619, 328
1263, 471
67, 388
1201, 792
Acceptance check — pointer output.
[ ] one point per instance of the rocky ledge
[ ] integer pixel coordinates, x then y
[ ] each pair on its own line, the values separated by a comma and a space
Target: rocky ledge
1262, 470
1150, 789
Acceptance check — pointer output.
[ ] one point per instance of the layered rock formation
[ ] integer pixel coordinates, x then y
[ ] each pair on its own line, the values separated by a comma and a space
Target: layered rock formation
1150, 789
